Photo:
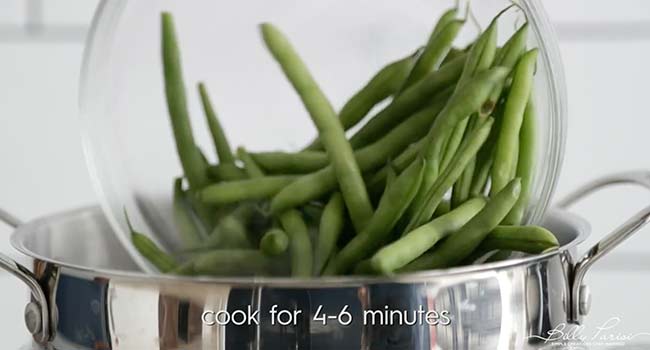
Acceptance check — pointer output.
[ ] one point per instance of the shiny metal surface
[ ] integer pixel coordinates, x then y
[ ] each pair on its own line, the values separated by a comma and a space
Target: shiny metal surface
39, 310
103, 302
611, 241
97, 299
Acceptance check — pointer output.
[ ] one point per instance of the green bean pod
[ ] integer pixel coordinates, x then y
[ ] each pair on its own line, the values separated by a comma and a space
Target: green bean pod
481, 54
291, 163
193, 165
243, 190
373, 156
465, 101
384, 84
226, 172
435, 51
461, 189
418, 241
230, 231
299, 243
391, 207
525, 164
522, 83
453, 54
377, 181
408, 102
149, 250
219, 139
509, 55
331, 133
480, 58
462, 243
329, 231
186, 224
452, 144
231, 262
274, 242
446, 18
204, 159
485, 156
422, 212
443, 208
526, 239
370, 156
251, 167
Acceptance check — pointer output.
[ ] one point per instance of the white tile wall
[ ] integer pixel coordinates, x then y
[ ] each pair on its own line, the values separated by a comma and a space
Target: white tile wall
608, 131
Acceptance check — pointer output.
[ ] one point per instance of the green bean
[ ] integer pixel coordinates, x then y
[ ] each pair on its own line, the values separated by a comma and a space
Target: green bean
274, 242
446, 18
421, 213
418, 241
443, 208
150, 250
481, 174
435, 51
480, 58
204, 159
485, 156
193, 166
330, 229
291, 163
384, 84
230, 231
319, 183
505, 239
377, 181
364, 268
461, 189
391, 175
508, 57
250, 165
453, 54
526, 239
231, 262
391, 207
331, 133
369, 156
187, 225
461, 104
453, 143
408, 102
462, 243
481, 54
219, 139
525, 164
522, 82
299, 243
226, 172
242, 190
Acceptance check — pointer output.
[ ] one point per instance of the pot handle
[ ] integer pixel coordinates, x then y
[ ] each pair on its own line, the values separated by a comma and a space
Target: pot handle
37, 311
580, 296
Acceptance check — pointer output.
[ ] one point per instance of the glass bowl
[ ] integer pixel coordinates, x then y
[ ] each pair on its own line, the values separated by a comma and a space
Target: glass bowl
127, 136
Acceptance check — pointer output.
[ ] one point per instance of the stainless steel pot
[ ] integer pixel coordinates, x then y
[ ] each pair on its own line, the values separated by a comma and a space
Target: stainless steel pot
88, 294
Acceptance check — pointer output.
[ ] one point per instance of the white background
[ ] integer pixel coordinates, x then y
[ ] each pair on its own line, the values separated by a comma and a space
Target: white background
605, 46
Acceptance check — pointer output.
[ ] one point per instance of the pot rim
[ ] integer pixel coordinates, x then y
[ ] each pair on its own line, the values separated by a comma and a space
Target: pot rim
17, 241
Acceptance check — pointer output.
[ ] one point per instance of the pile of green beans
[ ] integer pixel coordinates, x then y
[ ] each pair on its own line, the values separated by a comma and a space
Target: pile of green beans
439, 177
